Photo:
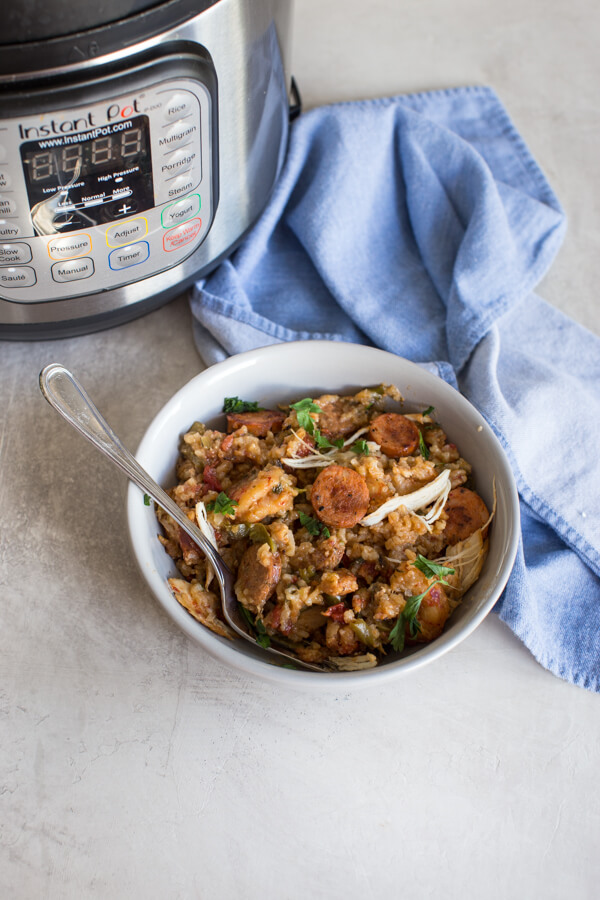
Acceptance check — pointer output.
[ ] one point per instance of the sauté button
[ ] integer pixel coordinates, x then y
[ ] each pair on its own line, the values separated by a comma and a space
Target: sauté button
180, 211
126, 232
69, 247
17, 276
73, 269
132, 255
14, 253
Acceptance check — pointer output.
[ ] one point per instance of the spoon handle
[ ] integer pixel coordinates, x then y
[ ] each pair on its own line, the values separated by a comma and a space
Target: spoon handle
62, 390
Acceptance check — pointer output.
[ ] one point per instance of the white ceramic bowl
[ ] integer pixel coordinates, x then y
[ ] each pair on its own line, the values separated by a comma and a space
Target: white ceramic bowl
287, 372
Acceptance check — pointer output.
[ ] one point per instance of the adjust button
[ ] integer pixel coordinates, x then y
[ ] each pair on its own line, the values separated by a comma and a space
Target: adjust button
73, 269
69, 247
180, 211
17, 276
126, 232
132, 255
14, 253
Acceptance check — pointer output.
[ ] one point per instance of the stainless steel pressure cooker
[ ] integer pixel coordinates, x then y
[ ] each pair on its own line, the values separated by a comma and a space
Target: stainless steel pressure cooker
139, 141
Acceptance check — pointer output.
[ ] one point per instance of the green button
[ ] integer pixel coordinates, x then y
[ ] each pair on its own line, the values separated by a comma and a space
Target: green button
180, 211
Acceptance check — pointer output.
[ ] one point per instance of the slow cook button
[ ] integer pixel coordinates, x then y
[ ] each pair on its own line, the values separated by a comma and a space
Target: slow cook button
17, 277
182, 235
182, 184
132, 255
180, 211
126, 232
69, 247
14, 253
73, 269
179, 105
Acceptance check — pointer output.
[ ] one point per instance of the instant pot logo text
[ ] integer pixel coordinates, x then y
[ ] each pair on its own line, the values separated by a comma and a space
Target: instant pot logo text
114, 113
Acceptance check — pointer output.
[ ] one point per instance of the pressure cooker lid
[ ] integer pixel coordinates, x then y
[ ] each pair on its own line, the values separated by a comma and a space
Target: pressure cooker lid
35, 20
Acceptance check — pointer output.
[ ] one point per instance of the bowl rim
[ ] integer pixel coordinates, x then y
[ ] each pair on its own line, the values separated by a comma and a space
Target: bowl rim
265, 669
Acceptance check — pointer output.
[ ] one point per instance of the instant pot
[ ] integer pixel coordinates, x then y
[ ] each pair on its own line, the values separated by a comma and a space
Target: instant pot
139, 141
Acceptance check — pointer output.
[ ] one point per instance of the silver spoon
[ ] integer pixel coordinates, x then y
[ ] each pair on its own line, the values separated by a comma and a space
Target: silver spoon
62, 390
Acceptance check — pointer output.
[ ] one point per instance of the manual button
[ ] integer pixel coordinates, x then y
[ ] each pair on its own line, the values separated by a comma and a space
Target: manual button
132, 255
73, 269
14, 253
17, 276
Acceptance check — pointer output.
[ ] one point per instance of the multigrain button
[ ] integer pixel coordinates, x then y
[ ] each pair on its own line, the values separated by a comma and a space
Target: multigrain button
179, 105
179, 133
69, 247
132, 255
180, 211
73, 269
126, 232
14, 253
8, 206
17, 277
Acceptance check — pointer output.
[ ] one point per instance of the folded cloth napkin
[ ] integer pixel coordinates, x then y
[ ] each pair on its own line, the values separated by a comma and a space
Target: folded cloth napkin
421, 224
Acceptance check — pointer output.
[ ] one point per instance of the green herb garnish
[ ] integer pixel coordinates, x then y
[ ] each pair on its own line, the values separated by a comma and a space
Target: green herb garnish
223, 504
428, 411
146, 500
423, 448
408, 616
313, 526
257, 625
361, 447
304, 408
235, 405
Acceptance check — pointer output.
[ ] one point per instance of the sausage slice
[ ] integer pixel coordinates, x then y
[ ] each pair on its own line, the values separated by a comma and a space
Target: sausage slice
466, 513
396, 435
258, 422
340, 496
258, 574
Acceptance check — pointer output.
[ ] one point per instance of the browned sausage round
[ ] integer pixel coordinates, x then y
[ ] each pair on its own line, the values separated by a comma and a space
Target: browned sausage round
466, 513
258, 422
258, 574
395, 434
340, 496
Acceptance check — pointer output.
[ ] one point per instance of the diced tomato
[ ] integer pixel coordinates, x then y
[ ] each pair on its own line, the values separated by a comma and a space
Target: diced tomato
209, 477
336, 612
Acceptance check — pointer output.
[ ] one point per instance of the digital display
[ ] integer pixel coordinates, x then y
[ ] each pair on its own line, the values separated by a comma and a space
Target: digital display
79, 180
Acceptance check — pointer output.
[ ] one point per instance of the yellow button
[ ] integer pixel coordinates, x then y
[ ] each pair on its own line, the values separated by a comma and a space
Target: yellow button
127, 232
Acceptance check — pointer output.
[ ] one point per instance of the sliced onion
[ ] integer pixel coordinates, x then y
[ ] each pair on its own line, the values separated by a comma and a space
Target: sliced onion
435, 492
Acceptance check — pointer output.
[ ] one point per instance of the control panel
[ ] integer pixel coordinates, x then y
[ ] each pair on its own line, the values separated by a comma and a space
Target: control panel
99, 196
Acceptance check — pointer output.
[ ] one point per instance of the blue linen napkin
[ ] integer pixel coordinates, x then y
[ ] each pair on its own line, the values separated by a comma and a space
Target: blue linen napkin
421, 224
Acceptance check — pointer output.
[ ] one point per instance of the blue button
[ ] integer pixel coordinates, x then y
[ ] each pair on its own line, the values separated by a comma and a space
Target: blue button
131, 255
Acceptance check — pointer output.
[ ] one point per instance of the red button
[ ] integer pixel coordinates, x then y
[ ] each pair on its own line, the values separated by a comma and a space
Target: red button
182, 235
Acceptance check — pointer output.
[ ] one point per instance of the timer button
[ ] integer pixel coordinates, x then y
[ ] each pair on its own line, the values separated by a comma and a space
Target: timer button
17, 276
14, 253
131, 255
179, 105
126, 232
69, 247
7, 206
73, 269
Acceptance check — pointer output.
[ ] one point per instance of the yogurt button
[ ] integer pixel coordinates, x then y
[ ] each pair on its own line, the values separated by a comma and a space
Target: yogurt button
17, 276
178, 105
14, 253
180, 211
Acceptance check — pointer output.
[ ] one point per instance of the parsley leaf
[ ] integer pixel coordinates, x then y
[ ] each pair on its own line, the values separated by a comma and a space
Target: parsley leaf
257, 625
428, 411
303, 413
430, 568
223, 504
146, 500
312, 525
423, 448
361, 447
235, 405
